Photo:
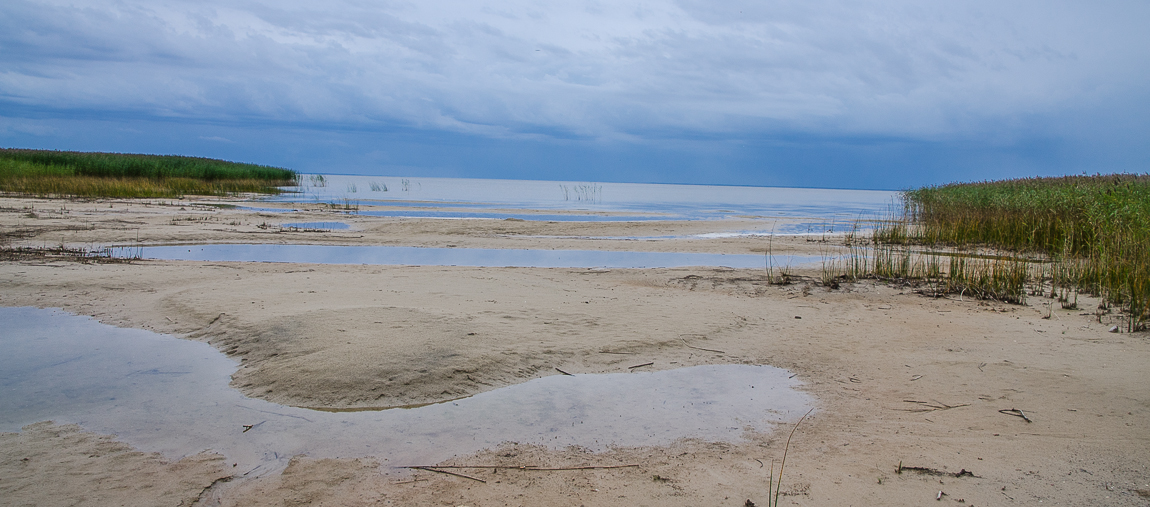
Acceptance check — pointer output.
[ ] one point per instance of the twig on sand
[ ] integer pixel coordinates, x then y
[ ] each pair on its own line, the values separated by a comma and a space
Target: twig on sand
430, 469
411, 481
931, 408
589, 467
934, 471
520, 467
1016, 413
640, 365
563, 372
700, 348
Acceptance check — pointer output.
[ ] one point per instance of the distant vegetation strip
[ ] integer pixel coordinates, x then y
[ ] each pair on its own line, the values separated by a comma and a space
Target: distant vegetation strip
1092, 231
44, 172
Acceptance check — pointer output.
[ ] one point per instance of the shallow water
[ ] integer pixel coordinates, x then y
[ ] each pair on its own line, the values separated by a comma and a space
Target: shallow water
482, 257
673, 202
327, 226
164, 394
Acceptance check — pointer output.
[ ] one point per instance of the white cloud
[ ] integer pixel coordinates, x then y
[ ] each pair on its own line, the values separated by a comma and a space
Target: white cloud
618, 69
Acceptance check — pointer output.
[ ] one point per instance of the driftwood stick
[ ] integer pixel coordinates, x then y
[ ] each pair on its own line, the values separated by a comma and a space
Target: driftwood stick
521, 467
563, 372
700, 348
1016, 413
430, 469
938, 405
640, 365
589, 467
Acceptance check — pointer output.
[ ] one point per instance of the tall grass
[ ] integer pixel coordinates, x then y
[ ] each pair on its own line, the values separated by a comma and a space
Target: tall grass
43, 172
1094, 231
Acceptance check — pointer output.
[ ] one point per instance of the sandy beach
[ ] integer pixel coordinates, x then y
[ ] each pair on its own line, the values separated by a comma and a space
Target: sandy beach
918, 398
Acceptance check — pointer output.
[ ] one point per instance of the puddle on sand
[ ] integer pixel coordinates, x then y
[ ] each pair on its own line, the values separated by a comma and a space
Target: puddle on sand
326, 226
480, 257
164, 394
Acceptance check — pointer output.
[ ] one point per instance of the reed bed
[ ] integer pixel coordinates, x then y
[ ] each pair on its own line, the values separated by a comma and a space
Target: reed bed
996, 239
42, 172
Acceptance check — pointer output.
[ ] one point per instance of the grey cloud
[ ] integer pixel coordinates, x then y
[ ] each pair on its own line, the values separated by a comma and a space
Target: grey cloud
586, 69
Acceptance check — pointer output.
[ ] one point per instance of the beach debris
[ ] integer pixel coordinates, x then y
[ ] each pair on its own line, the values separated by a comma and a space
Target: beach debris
447, 472
1016, 413
931, 406
934, 471
700, 348
563, 372
1114, 329
445, 469
640, 365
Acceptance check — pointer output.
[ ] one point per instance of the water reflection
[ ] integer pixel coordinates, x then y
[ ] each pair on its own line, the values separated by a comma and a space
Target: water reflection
164, 394
480, 257
668, 202
325, 226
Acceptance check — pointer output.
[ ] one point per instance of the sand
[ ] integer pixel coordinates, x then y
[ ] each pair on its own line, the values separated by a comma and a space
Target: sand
900, 377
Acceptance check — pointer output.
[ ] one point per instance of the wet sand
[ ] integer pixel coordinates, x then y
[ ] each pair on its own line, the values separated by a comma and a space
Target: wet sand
898, 377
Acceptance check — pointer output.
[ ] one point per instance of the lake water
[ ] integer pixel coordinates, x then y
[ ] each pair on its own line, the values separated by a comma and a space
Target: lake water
484, 257
464, 196
164, 394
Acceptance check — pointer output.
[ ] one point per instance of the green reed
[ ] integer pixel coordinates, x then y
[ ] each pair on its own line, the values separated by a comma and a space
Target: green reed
1094, 231
43, 172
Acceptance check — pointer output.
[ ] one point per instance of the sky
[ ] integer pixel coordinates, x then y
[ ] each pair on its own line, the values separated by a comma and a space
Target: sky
864, 94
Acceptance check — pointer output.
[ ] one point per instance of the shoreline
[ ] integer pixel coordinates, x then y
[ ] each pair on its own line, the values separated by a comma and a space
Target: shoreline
858, 351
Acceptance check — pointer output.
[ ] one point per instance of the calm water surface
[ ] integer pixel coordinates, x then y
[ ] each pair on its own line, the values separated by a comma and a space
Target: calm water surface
164, 394
658, 201
481, 257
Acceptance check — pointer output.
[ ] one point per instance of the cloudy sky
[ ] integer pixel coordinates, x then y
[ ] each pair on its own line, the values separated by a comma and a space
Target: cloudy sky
881, 94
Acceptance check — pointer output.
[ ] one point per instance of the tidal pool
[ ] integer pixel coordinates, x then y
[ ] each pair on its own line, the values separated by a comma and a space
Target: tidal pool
327, 226
481, 257
164, 394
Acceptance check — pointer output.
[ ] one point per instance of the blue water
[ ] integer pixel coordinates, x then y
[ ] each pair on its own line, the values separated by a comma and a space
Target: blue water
330, 226
164, 394
483, 257
477, 198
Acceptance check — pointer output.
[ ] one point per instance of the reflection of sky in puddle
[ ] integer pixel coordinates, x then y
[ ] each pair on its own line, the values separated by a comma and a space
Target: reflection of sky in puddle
677, 202
783, 229
330, 226
169, 395
485, 257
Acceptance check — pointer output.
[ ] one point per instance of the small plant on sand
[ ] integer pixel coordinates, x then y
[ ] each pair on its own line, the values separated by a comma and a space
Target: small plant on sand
774, 489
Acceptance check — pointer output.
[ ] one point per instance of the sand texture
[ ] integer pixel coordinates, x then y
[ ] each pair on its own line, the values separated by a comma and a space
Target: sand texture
899, 377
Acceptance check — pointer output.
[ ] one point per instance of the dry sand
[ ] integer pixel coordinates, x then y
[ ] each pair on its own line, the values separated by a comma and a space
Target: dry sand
883, 361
